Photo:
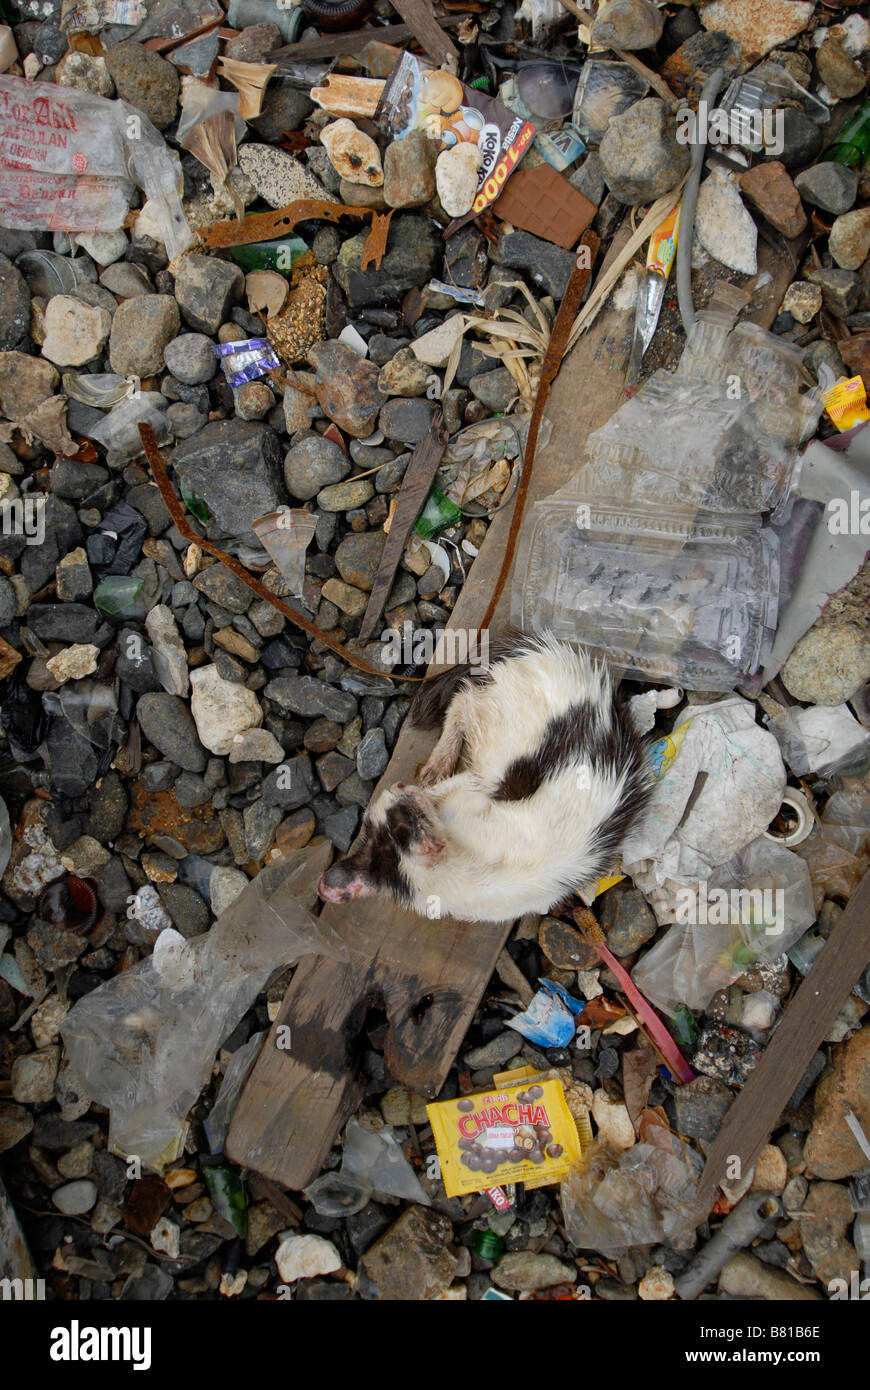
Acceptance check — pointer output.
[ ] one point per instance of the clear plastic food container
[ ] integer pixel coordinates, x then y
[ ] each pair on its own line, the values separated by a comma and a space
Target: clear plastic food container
659, 597
688, 444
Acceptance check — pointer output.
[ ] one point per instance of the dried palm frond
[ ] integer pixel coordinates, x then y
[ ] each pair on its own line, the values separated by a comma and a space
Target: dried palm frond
513, 339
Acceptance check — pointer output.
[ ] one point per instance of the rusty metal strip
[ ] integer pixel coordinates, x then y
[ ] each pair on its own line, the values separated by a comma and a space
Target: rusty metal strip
177, 512
375, 243
552, 361
416, 485
265, 226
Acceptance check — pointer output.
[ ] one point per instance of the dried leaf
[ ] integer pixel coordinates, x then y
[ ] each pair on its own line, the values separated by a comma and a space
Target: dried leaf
639, 1070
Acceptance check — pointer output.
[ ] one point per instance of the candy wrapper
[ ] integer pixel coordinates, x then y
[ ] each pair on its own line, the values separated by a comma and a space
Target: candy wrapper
507, 1135
551, 1018
419, 97
246, 360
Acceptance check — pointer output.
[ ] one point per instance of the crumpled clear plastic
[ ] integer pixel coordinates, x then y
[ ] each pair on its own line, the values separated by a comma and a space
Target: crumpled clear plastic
69, 161
372, 1163
144, 1043
118, 429
732, 769
769, 906
605, 90
837, 852
823, 739
643, 1196
238, 1070
286, 535
90, 707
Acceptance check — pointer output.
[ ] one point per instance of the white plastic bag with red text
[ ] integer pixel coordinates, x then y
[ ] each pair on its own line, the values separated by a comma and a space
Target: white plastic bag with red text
69, 161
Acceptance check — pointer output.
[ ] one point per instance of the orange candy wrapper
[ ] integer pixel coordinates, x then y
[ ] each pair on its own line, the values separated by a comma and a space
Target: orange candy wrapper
506, 1135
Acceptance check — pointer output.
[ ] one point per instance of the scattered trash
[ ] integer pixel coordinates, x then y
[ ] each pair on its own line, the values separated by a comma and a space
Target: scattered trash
393, 374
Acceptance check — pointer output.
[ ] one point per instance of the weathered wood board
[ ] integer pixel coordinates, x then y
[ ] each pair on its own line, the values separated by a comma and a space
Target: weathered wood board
426, 976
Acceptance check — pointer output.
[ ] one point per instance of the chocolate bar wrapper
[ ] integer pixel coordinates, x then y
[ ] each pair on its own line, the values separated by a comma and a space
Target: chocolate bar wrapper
504, 1135
419, 97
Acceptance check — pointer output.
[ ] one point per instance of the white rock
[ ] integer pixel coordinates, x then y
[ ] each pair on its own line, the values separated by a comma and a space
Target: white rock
256, 746
304, 1257
456, 178
75, 1198
105, 247
224, 886
434, 348
74, 662
352, 154
613, 1121
803, 300
45, 1023
656, 1285
166, 1237
221, 709
170, 657
74, 331
854, 32
723, 226
148, 909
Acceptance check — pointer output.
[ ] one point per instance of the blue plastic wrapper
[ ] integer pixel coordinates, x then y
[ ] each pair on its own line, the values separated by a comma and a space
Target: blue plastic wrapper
246, 360
551, 1018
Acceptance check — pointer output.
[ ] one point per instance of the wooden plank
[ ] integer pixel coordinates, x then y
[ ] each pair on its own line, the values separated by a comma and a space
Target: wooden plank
416, 486
808, 1017
336, 45
420, 17
426, 976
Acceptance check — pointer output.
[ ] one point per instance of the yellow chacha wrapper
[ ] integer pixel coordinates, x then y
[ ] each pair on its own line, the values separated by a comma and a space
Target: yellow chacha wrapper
846, 403
502, 1136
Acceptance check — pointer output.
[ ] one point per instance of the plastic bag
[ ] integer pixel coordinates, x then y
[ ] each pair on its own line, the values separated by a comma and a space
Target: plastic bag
210, 126
642, 1196
372, 1163
69, 161
238, 1070
144, 1043
731, 770
551, 1018
823, 739
754, 907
